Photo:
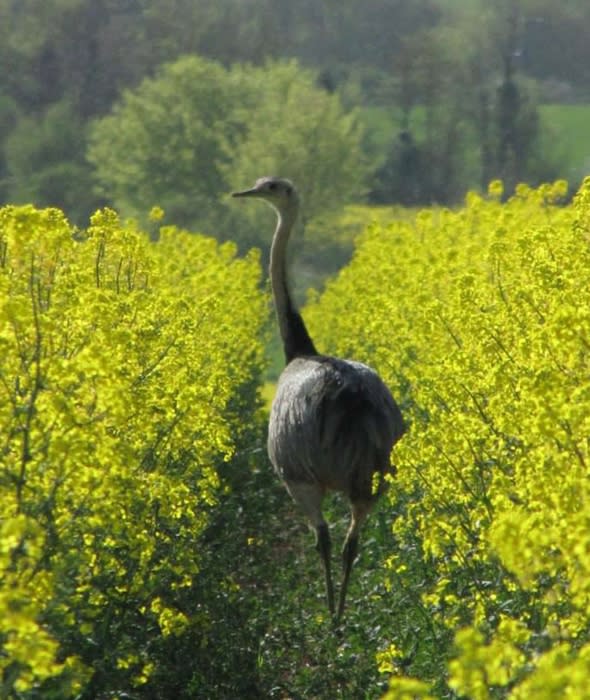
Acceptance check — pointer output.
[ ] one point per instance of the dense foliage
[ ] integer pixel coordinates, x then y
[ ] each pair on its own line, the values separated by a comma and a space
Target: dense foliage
480, 321
126, 370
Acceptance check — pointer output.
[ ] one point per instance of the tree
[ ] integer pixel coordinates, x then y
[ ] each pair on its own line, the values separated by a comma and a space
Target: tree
198, 130
295, 129
427, 161
502, 107
164, 142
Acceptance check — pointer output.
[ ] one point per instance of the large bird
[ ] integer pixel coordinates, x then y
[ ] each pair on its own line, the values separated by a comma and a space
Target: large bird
333, 422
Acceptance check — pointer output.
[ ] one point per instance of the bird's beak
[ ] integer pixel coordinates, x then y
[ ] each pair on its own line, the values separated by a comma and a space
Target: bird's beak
245, 193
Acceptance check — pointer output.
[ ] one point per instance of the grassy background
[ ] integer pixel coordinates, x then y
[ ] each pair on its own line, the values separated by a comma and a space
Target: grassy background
569, 125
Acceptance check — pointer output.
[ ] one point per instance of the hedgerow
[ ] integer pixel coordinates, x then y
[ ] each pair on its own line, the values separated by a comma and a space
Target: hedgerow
479, 319
126, 369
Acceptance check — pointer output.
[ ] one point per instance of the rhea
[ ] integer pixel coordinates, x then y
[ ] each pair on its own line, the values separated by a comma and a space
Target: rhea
333, 422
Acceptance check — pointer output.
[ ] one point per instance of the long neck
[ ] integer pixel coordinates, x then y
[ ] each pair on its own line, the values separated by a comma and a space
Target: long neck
296, 339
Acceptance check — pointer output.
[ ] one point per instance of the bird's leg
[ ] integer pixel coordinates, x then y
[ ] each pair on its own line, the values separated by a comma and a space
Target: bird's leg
309, 497
324, 547
360, 511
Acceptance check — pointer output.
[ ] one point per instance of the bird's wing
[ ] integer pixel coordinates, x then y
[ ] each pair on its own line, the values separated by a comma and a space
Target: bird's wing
355, 398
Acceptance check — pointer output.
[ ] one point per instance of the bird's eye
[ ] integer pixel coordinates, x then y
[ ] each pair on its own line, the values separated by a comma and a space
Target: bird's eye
272, 186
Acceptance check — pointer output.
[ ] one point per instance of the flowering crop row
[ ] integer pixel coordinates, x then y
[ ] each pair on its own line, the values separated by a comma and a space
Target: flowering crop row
117, 403
480, 320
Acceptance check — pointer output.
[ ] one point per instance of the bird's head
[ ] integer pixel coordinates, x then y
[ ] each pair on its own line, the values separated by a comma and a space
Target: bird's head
276, 191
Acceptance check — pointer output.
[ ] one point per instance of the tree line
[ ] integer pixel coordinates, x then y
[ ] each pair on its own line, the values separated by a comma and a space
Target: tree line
455, 89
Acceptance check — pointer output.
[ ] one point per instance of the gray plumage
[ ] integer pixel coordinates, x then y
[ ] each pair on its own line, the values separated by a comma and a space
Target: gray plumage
333, 422
329, 419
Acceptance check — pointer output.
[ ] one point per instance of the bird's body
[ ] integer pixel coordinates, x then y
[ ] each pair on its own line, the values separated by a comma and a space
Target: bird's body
340, 415
333, 422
